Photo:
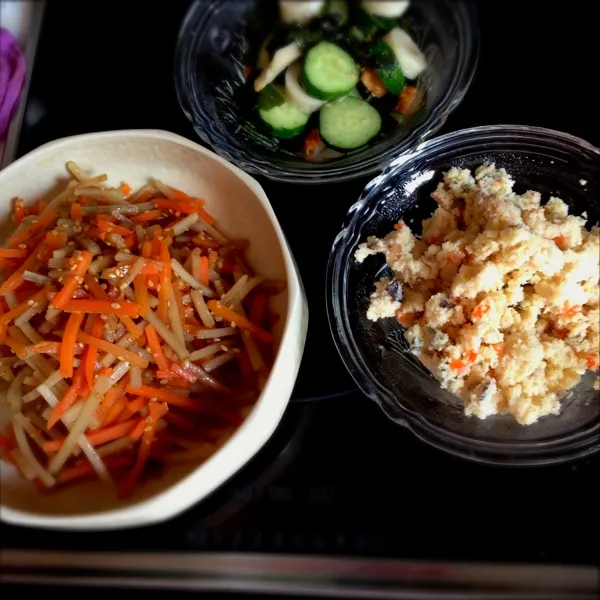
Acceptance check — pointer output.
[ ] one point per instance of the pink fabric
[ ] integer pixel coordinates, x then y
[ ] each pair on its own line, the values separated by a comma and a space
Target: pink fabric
12, 77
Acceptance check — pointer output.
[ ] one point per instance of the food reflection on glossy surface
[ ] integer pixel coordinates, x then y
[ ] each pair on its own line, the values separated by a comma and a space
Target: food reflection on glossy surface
133, 334
498, 296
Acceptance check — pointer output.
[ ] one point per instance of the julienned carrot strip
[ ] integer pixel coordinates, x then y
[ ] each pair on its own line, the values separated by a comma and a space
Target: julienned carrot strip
138, 430
13, 253
103, 307
69, 398
151, 215
31, 264
164, 293
157, 410
76, 211
81, 263
109, 348
204, 270
218, 310
29, 232
112, 228
147, 391
141, 294
45, 348
18, 310
125, 188
131, 326
157, 352
116, 409
109, 400
67, 345
94, 287
91, 353
16, 346
56, 239
136, 405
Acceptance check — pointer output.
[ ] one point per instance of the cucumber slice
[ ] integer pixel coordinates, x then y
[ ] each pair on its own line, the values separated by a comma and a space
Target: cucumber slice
387, 67
409, 56
390, 9
284, 118
329, 71
349, 123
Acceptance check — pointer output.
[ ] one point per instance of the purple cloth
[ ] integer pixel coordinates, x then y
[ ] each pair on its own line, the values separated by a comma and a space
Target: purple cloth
12, 76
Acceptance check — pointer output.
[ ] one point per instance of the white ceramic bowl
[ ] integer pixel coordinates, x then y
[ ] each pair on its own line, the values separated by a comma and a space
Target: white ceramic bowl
243, 211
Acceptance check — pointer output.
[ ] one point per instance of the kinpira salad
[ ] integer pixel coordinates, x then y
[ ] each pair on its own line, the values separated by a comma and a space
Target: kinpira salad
330, 75
133, 334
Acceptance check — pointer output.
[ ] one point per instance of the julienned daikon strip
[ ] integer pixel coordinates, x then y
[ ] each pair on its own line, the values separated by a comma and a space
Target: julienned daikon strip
206, 351
36, 278
185, 275
217, 361
184, 224
221, 332
165, 333
215, 234
15, 392
30, 429
203, 312
76, 435
87, 448
112, 196
175, 320
135, 376
21, 439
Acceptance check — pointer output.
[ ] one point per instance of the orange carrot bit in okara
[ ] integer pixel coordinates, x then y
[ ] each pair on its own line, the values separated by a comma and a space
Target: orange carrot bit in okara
480, 310
457, 365
471, 355
570, 311
218, 310
560, 240
592, 362
67, 345
498, 348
